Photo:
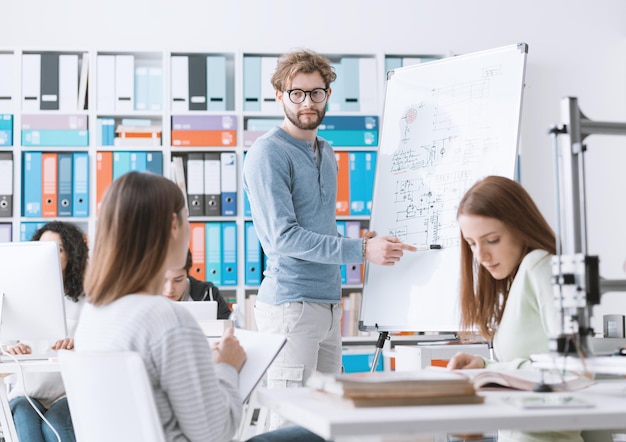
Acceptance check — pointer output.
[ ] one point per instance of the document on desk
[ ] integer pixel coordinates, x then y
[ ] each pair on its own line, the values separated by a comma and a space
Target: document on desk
592, 364
261, 350
547, 401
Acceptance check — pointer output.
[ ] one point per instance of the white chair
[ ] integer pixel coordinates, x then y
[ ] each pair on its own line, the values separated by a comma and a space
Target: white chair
110, 397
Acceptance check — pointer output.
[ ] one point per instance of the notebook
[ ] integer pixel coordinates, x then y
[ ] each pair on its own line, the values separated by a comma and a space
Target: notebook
261, 350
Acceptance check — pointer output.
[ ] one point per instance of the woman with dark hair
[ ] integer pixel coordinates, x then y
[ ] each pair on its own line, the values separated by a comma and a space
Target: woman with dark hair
506, 288
46, 390
74, 254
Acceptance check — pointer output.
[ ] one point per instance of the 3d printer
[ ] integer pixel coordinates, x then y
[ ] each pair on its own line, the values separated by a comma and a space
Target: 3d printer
575, 275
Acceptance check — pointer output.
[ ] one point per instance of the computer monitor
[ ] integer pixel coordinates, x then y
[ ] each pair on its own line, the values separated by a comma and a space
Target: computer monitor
32, 304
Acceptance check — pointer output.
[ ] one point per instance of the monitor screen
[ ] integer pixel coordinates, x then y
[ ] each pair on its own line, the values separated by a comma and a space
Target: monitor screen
32, 304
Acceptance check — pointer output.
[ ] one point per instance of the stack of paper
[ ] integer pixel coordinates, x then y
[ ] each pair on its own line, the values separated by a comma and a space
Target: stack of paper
395, 388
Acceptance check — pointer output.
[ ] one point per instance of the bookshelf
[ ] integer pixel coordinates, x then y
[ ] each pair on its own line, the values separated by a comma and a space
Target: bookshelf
71, 121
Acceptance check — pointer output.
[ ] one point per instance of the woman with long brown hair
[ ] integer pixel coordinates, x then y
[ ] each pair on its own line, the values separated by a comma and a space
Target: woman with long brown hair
143, 231
506, 288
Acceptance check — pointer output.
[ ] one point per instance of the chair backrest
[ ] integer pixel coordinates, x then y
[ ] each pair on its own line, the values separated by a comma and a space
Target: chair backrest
110, 397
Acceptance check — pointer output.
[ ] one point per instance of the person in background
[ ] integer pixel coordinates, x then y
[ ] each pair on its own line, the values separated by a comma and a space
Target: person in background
290, 176
506, 288
46, 390
142, 232
181, 286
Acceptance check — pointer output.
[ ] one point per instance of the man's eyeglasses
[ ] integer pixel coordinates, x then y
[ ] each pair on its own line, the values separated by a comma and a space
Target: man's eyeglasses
298, 96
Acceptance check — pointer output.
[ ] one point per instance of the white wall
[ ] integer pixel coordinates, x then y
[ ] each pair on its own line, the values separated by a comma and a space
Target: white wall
576, 48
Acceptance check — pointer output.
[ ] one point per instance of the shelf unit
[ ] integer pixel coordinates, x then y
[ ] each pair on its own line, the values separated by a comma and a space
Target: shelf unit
149, 88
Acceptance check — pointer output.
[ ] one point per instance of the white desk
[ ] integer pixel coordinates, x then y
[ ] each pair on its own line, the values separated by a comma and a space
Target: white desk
334, 421
6, 369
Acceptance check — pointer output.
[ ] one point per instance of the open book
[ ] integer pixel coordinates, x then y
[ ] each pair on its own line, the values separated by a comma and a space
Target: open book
523, 379
421, 387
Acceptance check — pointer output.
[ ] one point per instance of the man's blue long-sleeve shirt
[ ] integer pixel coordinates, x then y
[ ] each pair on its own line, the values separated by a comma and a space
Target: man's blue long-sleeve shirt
293, 201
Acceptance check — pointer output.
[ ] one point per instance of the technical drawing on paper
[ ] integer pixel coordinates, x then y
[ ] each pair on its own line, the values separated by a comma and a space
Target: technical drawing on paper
443, 139
445, 125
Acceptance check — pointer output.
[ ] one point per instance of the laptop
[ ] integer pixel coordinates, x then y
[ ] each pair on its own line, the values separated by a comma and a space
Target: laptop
201, 310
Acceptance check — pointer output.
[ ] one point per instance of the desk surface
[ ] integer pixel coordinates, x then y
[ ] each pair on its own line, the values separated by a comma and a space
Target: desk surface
334, 421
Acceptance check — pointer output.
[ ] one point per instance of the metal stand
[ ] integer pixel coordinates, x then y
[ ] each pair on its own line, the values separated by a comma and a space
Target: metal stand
382, 337
576, 280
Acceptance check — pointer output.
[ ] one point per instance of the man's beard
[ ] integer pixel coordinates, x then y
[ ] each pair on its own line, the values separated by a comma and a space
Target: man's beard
313, 124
